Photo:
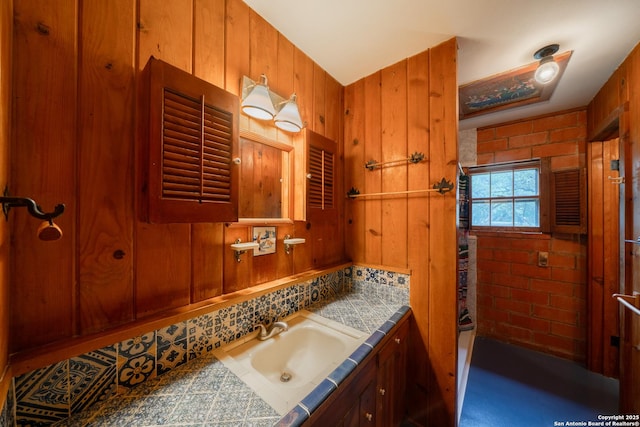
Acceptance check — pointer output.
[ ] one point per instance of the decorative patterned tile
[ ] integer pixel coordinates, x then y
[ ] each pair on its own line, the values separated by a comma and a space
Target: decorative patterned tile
201, 334
136, 370
360, 297
136, 346
136, 360
171, 356
92, 378
233, 322
6, 416
371, 276
314, 291
42, 395
171, 334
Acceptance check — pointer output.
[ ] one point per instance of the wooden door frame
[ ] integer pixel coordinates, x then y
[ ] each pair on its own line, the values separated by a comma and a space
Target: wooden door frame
603, 271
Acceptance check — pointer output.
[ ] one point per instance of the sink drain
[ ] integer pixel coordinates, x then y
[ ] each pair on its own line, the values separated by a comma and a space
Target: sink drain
285, 377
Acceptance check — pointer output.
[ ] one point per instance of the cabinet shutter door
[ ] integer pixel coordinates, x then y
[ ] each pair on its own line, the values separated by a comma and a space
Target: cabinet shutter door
188, 173
321, 197
568, 201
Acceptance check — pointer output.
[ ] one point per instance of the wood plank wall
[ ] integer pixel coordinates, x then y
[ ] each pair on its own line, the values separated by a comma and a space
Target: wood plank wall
6, 26
76, 67
75, 112
410, 107
619, 99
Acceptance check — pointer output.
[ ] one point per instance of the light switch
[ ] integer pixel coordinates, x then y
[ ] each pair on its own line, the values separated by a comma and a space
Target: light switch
543, 259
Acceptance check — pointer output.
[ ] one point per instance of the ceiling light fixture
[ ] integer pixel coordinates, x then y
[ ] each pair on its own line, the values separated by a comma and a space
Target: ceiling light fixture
260, 103
548, 68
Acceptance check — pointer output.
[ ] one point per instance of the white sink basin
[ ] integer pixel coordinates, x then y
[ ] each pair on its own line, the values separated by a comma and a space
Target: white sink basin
284, 369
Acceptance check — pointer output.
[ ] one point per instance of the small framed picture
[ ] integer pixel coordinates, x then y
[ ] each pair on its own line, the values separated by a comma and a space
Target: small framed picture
265, 237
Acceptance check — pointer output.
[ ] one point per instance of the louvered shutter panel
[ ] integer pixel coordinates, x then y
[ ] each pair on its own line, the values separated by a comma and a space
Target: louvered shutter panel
192, 140
568, 202
321, 170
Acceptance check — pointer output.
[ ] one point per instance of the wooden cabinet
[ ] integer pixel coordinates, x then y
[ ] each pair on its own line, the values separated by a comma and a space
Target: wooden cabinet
392, 378
374, 394
354, 404
188, 148
322, 202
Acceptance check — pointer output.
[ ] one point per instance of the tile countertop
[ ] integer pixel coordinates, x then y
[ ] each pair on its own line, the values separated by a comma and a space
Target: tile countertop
203, 392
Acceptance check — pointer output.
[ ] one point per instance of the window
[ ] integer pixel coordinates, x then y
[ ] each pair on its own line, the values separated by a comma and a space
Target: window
507, 196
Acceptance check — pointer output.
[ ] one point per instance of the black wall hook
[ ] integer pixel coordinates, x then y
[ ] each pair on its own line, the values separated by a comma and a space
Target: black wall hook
32, 207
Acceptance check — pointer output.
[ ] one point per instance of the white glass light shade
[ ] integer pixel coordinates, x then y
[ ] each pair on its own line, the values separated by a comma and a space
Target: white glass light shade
288, 118
258, 103
547, 70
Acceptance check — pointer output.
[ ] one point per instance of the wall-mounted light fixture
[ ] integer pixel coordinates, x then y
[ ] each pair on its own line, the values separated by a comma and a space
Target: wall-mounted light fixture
262, 104
548, 68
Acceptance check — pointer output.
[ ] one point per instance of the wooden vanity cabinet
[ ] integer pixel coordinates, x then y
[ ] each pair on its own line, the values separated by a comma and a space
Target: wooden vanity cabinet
374, 394
392, 378
352, 405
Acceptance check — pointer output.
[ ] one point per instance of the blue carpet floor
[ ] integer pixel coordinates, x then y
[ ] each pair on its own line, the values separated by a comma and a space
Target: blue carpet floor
512, 386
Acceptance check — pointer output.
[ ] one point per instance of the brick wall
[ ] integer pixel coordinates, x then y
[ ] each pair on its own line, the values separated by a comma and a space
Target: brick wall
518, 301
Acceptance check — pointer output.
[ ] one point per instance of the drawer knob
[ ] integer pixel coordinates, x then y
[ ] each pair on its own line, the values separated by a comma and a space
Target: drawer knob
369, 416
397, 340
382, 391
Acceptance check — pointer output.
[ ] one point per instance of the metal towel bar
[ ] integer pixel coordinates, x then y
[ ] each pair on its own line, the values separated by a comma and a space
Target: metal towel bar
632, 302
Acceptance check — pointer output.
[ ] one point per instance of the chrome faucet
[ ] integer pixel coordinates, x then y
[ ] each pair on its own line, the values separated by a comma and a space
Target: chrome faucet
273, 330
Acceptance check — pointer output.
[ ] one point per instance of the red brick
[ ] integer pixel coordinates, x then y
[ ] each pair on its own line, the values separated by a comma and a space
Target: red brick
553, 287
532, 271
487, 134
556, 122
507, 332
493, 266
573, 276
565, 162
531, 244
520, 128
492, 146
555, 315
534, 297
496, 291
580, 290
493, 242
510, 281
569, 331
568, 134
485, 159
517, 257
513, 155
484, 300
562, 261
484, 253
555, 149
539, 325
560, 346
571, 246
513, 306
528, 140
484, 276
497, 315
485, 328
568, 303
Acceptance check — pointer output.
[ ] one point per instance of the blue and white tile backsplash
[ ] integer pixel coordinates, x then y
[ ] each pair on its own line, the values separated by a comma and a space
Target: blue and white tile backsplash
56, 392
